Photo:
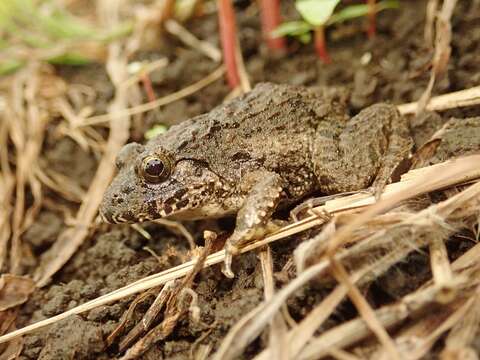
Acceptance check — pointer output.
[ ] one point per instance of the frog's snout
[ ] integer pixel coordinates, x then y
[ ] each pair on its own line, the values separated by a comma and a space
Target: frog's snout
113, 208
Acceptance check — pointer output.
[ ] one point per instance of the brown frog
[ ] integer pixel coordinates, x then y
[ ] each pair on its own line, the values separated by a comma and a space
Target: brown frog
268, 148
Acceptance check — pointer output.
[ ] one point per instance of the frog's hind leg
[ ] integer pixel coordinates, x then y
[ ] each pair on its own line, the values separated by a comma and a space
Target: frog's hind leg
363, 152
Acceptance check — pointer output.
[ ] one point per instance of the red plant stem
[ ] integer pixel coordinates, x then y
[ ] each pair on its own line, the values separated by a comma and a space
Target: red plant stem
320, 45
228, 33
372, 27
147, 86
271, 19
167, 11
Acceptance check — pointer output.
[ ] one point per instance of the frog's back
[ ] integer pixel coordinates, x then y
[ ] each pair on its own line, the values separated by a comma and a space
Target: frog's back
271, 127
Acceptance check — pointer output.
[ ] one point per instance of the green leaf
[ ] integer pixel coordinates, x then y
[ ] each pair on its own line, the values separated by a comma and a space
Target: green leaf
69, 59
305, 38
10, 66
155, 131
119, 31
62, 25
387, 4
292, 28
316, 12
355, 11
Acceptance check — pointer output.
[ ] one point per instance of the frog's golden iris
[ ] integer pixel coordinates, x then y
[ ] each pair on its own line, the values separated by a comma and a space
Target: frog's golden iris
155, 168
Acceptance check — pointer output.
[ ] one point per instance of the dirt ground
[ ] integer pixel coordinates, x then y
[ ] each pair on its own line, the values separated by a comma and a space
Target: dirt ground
392, 67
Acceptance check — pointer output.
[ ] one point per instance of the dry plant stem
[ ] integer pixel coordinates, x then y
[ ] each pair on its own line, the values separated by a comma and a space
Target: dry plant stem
127, 316
27, 127
462, 335
466, 199
71, 238
442, 52
342, 354
271, 19
355, 330
391, 260
141, 327
367, 313
457, 99
441, 270
460, 170
278, 329
146, 70
242, 71
303, 332
228, 37
402, 191
179, 227
203, 47
7, 185
175, 307
430, 14
189, 90
430, 328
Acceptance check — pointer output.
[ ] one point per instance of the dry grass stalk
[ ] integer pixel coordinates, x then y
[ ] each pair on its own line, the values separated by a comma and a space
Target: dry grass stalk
454, 209
27, 122
128, 314
203, 47
278, 328
189, 90
441, 56
430, 14
429, 219
457, 99
440, 264
460, 170
242, 70
459, 340
355, 330
141, 327
176, 308
179, 228
7, 185
71, 238
396, 239
365, 310
427, 331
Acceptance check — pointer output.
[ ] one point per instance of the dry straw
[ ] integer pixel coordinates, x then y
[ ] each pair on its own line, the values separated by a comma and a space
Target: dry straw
416, 182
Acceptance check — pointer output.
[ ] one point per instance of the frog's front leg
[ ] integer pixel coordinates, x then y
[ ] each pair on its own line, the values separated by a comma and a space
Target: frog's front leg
254, 217
361, 152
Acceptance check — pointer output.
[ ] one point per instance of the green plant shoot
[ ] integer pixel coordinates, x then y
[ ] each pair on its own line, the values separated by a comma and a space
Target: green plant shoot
318, 14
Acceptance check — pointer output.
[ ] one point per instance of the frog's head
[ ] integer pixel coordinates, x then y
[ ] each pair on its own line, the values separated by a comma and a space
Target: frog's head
152, 183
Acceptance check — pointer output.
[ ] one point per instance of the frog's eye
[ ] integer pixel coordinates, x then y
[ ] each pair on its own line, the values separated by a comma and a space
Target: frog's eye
155, 168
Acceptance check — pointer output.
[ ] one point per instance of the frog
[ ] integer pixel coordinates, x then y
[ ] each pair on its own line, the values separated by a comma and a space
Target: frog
253, 155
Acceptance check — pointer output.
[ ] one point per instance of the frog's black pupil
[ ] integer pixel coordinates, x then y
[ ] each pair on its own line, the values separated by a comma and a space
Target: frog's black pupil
154, 167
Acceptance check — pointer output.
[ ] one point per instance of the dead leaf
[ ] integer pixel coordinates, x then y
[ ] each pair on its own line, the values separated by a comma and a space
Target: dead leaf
14, 290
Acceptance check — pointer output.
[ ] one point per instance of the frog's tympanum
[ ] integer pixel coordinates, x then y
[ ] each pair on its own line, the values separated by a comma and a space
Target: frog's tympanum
268, 148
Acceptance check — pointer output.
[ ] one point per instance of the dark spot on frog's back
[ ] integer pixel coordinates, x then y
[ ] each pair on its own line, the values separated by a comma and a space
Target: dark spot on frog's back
127, 189
241, 156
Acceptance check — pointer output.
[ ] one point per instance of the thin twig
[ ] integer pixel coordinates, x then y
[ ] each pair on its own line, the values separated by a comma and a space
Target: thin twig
278, 329
189, 90
204, 47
